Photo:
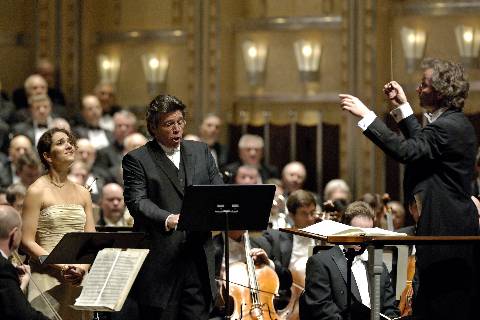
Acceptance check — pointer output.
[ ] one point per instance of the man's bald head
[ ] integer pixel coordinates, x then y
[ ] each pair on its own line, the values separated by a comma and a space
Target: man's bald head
9, 219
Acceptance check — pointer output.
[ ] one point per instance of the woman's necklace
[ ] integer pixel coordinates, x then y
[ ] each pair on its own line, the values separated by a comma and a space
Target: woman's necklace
56, 184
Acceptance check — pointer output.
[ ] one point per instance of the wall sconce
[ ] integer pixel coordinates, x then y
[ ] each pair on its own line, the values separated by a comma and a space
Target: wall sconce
308, 55
108, 68
468, 41
413, 42
155, 69
254, 56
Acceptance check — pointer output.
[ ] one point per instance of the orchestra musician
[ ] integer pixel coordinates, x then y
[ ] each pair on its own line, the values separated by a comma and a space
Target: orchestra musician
440, 161
13, 281
326, 279
289, 252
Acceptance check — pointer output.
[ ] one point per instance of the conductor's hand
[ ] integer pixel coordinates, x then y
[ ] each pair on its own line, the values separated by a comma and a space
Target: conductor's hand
353, 105
259, 256
394, 93
172, 221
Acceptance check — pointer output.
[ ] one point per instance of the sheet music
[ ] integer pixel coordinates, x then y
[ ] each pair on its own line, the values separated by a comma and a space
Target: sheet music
330, 228
110, 279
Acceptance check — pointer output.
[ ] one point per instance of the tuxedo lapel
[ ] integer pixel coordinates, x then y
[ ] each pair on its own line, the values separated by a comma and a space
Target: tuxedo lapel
162, 162
187, 157
341, 262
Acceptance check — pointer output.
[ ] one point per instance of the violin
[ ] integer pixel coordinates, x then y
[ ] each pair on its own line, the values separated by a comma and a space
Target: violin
406, 299
19, 262
252, 288
292, 311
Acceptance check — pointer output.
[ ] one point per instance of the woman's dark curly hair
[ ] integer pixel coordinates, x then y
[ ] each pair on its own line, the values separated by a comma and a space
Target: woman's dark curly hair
449, 81
45, 143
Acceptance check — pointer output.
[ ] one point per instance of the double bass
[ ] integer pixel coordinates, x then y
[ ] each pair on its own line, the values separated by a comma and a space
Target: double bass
252, 288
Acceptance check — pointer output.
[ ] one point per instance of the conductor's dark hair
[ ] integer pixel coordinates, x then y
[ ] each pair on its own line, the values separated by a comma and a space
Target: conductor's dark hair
159, 106
449, 81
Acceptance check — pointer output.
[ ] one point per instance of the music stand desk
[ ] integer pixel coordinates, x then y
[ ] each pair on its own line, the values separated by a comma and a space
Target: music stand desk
375, 245
225, 208
82, 247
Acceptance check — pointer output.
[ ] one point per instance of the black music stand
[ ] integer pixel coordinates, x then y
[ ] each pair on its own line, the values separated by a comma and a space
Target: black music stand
225, 208
82, 247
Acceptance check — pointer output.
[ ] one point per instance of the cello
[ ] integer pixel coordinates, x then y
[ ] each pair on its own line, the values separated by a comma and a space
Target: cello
252, 288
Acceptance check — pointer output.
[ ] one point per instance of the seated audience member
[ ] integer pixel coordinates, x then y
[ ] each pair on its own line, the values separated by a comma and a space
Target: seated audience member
336, 197
398, 214
209, 132
336, 189
19, 145
112, 207
247, 174
40, 118
325, 280
96, 176
111, 156
191, 137
46, 70
36, 85
89, 128
250, 150
290, 252
78, 172
7, 109
13, 280
133, 141
293, 177
106, 95
278, 213
60, 123
3, 197
28, 168
15, 195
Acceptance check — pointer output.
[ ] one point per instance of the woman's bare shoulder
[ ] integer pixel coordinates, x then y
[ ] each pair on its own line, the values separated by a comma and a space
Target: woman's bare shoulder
38, 187
82, 192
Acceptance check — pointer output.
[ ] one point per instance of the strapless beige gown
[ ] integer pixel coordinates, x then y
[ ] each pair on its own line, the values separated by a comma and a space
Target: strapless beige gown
53, 223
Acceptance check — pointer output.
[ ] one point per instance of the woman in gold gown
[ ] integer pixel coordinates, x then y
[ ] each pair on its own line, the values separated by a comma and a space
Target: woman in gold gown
53, 207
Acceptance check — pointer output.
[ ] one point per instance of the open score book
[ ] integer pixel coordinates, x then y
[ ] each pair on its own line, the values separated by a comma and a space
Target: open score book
332, 228
109, 281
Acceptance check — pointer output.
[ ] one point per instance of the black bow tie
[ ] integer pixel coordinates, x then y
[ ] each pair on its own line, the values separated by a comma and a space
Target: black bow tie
91, 127
39, 125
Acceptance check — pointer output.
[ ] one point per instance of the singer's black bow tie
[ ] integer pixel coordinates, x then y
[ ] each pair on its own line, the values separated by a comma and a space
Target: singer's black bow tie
39, 125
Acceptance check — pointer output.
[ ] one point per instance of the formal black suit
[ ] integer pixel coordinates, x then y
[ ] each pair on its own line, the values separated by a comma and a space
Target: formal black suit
154, 189
13, 303
439, 162
325, 295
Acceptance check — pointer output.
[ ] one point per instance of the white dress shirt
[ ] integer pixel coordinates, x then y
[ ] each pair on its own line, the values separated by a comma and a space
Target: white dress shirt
359, 271
300, 253
173, 154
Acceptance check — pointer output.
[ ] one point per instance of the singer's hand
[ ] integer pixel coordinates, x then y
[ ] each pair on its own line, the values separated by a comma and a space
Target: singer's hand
394, 93
172, 221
